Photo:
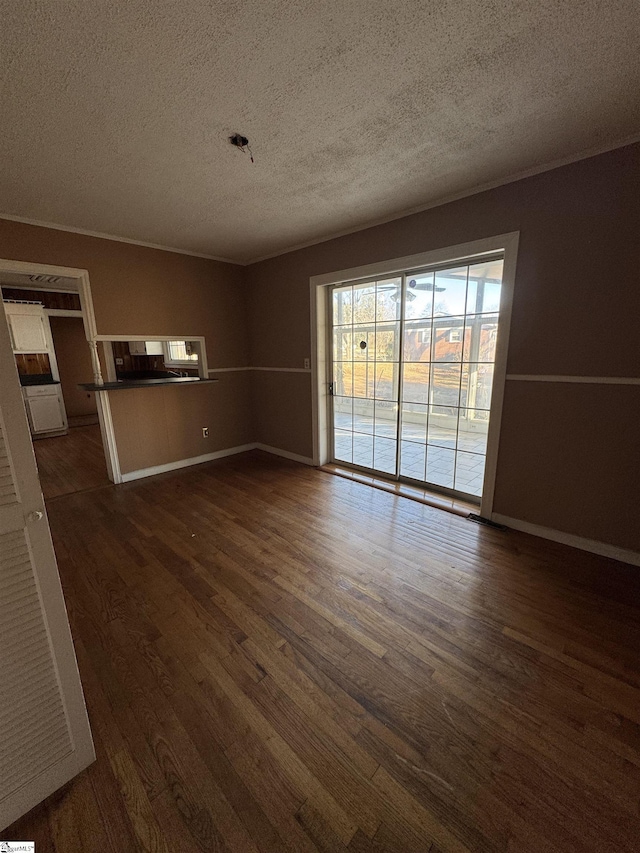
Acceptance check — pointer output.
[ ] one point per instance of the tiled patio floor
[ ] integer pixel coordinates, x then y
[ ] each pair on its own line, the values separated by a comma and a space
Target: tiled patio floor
439, 460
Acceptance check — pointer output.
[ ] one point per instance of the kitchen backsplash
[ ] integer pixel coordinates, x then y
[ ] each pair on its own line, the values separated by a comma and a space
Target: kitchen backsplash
33, 363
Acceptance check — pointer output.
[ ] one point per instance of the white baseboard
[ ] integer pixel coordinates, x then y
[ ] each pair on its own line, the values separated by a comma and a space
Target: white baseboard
209, 457
186, 463
305, 460
592, 545
82, 420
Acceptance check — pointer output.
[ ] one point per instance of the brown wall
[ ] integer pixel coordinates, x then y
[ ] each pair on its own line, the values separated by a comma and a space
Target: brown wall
142, 291
74, 364
288, 394
159, 425
568, 459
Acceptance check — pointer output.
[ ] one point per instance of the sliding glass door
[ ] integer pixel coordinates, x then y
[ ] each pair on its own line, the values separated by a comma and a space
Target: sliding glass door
412, 373
366, 373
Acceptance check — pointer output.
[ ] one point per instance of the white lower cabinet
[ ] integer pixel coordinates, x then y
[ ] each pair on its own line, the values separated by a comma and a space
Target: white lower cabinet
45, 409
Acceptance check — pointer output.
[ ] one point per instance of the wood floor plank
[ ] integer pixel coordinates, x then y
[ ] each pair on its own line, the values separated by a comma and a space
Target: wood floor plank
268, 783
64, 824
91, 832
206, 811
148, 832
307, 786
319, 831
71, 463
316, 705
204, 735
277, 659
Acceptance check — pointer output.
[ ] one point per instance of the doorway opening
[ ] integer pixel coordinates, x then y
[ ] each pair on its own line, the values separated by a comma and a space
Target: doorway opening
410, 368
50, 317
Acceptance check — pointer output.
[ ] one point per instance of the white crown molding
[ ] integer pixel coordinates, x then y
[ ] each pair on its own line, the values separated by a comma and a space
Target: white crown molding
479, 188
86, 233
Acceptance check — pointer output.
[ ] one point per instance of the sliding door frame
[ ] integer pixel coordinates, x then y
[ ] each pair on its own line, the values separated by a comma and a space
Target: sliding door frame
320, 343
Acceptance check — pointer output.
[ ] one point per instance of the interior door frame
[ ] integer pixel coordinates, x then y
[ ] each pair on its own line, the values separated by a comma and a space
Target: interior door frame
320, 321
91, 333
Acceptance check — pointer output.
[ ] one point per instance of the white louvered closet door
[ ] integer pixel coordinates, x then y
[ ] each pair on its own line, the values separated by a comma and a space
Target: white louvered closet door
45, 739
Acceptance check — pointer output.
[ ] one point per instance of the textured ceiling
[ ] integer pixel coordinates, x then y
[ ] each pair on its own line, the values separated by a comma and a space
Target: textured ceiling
115, 115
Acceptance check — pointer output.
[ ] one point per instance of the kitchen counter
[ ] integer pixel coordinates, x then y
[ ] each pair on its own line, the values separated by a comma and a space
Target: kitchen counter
123, 384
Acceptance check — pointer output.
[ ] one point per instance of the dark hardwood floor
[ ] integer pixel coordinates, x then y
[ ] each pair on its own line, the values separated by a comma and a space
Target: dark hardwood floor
278, 659
72, 462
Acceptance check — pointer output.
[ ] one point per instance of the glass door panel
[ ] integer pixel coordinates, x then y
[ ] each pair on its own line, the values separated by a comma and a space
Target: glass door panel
412, 374
366, 373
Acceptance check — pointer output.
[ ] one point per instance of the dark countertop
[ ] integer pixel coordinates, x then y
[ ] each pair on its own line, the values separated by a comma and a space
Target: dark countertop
123, 384
37, 379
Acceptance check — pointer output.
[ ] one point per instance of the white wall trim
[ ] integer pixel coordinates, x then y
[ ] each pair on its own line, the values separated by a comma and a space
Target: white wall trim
276, 451
186, 463
590, 380
283, 369
85, 232
510, 242
591, 545
149, 337
228, 369
45, 286
202, 365
62, 312
266, 369
108, 437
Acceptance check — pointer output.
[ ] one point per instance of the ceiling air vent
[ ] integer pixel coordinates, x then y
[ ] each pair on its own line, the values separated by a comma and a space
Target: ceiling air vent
45, 279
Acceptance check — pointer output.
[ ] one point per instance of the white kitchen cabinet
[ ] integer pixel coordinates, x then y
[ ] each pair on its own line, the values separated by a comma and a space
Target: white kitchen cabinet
45, 409
27, 327
146, 348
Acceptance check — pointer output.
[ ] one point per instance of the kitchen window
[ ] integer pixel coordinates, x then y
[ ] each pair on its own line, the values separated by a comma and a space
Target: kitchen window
180, 352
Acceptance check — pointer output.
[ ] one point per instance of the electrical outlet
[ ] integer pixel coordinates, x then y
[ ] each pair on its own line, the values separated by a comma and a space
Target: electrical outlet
307, 363
205, 432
